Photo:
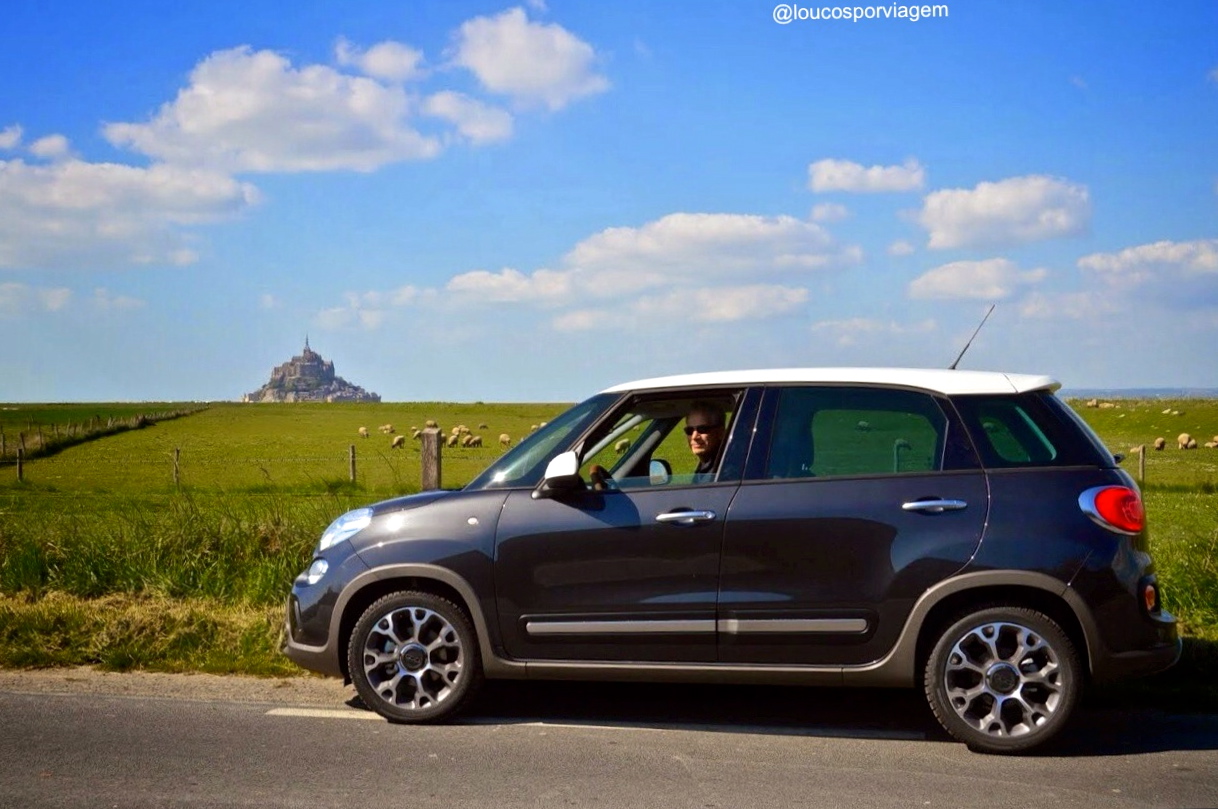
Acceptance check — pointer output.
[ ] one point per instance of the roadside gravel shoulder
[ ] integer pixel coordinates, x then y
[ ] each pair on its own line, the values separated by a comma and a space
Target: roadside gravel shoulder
317, 691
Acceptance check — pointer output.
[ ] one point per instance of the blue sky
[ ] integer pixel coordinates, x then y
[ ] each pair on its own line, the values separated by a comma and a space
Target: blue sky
467, 201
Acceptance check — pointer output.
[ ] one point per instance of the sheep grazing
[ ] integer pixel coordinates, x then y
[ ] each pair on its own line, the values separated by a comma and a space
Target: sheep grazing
453, 440
386, 429
1107, 405
1160, 443
399, 441
533, 428
1192, 444
474, 441
483, 427
863, 426
621, 446
363, 432
431, 423
505, 440
1211, 444
1182, 440
416, 434
1093, 403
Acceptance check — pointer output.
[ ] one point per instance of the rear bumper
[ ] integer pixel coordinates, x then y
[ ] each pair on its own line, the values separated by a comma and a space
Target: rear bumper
1156, 657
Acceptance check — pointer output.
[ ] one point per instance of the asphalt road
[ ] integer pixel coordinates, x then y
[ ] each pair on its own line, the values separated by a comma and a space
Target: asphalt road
75, 739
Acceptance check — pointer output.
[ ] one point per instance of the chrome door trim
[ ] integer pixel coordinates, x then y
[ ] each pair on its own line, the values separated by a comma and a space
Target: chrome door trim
681, 627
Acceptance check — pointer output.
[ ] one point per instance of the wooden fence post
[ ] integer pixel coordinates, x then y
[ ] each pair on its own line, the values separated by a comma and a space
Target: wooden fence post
1142, 464
20, 465
177, 452
431, 442
351, 459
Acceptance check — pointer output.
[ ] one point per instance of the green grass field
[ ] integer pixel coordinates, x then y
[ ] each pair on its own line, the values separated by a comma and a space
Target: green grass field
104, 560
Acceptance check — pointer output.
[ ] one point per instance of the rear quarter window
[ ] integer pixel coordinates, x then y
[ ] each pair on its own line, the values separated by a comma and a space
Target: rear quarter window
1029, 430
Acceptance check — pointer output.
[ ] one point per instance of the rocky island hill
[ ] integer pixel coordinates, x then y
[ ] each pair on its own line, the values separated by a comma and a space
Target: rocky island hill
308, 377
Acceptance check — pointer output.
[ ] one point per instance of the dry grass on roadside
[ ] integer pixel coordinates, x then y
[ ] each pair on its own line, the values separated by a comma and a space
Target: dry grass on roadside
125, 632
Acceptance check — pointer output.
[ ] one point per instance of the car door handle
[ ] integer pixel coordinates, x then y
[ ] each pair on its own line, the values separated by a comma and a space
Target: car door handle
686, 517
934, 506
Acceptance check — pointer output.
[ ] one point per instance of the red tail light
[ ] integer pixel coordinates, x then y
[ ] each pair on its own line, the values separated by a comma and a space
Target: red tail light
1117, 508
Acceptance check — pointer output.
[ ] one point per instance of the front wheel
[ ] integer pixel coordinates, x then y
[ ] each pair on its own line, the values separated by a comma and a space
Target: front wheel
413, 657
1003, 680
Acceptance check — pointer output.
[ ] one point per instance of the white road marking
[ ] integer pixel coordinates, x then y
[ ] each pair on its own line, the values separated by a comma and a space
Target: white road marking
830, 733
325, 713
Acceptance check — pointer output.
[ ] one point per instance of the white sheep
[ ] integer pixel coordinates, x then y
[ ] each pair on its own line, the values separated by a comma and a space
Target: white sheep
453, 440
363, 432
474, 441
386, 429
1182, 440
621, 446
1160, 442
431, 423
863, 426
1211, 445
1093, 403
483, 427
399, 441
416, 434
1192, 444
505, 440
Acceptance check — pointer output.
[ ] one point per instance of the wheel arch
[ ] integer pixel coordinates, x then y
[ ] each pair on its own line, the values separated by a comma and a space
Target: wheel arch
938, 606
365, 590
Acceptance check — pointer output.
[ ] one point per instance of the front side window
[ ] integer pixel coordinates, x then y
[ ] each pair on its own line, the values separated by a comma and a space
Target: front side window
661, 440
836, 432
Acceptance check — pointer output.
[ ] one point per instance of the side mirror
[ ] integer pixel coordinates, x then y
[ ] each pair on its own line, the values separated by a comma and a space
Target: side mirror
659, 472
562, 475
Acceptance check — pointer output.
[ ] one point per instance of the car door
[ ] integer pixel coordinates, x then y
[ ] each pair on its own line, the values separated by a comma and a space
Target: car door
863, 499
630, 572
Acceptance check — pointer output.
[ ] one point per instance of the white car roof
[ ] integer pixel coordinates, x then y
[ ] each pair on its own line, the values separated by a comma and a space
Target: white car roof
939, 380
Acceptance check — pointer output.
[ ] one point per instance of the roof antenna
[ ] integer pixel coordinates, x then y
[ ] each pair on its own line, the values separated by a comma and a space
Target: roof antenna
952, 367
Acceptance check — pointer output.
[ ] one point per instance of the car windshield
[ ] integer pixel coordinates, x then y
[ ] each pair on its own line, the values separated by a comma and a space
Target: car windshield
524, 465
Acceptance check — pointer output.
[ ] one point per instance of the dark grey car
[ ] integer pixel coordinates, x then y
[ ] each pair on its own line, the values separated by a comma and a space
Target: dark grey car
962, 532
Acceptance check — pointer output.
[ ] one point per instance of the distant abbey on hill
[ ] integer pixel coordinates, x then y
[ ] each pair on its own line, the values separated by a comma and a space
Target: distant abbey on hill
308, 378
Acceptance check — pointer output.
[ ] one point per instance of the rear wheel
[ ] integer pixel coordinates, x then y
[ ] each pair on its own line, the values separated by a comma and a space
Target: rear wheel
1003, 680
413, 657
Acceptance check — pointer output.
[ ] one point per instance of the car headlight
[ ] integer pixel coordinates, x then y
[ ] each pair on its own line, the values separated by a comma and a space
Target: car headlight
345, 527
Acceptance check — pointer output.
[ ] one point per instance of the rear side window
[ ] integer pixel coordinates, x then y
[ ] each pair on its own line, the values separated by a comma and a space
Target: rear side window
837, 432
1028, 430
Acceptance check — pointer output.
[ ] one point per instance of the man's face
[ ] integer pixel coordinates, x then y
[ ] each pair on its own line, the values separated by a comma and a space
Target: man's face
705, 434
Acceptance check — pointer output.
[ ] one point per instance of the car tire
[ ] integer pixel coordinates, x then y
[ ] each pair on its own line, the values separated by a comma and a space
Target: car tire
413, 657
1003, 679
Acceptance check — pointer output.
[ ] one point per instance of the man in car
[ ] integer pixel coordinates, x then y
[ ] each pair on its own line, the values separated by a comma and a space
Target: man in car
705, 428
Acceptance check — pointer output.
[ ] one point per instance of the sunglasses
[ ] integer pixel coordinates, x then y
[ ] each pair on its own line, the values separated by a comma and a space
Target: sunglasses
701, 429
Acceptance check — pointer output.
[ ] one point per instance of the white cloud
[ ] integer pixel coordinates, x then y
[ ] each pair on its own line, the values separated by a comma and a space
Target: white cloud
475, 121
586, 320
51, 147
533, 63
844, 175
10, 136
852, 331
1084, 305
1134, 265
72, 213
722, 304
17, 299
704, 246
1011, 211
389, 60
988, 280
829, 212
511, 286
253, 111
105, 300
682, 268
900, 248
370, 310
1213, 75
